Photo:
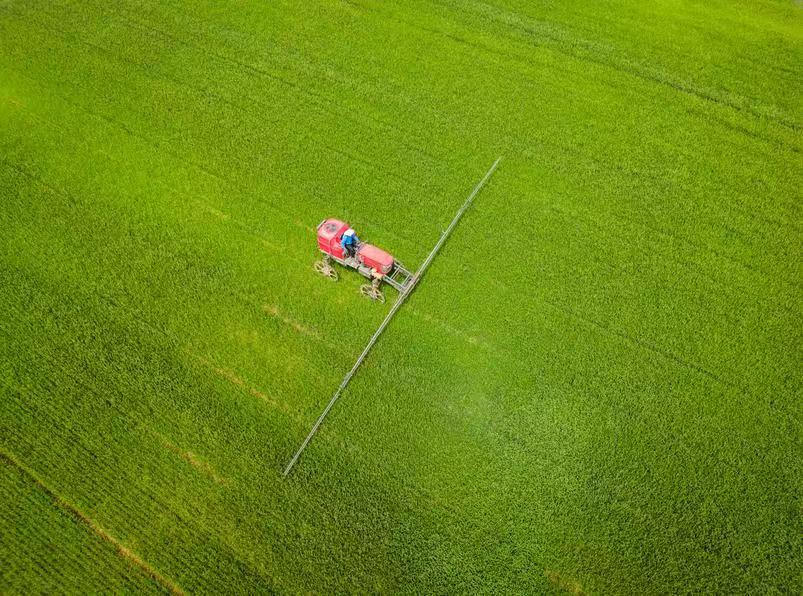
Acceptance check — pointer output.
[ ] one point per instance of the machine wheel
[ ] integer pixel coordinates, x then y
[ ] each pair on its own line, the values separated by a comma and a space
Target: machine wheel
372, 292
325, 269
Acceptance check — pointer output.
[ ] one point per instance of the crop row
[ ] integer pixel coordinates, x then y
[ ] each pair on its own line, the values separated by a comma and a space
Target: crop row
586, 389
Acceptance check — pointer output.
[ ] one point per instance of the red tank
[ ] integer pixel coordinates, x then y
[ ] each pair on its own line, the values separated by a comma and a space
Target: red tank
376, 258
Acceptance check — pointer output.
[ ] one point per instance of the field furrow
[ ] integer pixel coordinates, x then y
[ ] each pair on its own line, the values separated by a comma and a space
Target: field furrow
594, 389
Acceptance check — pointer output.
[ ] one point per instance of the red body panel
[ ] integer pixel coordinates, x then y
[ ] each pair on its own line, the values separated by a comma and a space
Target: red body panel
330, 233
376, 258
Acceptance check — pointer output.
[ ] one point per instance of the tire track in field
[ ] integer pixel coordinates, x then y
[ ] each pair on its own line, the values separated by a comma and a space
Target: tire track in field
315, 505
684, 240
230, 376
399, 477
190, 165
638, 175
564, 583
563, 40
244, 298
227, 218
610, 232
323, 102
472, 340
165, 507
639, 342
112, 56
127, 554
188, 456
273, 311
705, 248
744, 131
646, 345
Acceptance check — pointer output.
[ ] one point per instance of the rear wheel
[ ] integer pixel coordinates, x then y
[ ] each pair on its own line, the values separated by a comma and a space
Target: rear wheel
373, 292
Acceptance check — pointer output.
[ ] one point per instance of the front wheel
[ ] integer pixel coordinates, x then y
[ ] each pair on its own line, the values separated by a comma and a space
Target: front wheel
325, 269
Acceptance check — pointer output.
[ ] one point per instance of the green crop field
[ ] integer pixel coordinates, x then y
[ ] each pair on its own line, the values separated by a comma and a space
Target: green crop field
596, 387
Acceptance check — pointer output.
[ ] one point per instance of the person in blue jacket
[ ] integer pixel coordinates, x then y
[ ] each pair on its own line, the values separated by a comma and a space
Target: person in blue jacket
349, 242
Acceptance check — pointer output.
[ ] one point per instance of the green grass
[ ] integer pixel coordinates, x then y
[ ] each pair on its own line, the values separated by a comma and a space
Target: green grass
58, 545
595, 388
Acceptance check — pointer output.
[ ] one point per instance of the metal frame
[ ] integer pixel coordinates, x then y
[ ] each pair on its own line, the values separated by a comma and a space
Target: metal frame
399, 276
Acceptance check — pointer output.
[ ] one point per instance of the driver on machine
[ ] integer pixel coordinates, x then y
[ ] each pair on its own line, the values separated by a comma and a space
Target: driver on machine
349, 243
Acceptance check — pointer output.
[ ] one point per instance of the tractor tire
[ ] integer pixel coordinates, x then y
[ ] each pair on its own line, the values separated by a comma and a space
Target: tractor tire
326, 270
369, 291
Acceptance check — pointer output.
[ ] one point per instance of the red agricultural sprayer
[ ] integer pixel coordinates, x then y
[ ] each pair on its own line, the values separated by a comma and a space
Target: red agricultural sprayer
338, 243
370, 261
